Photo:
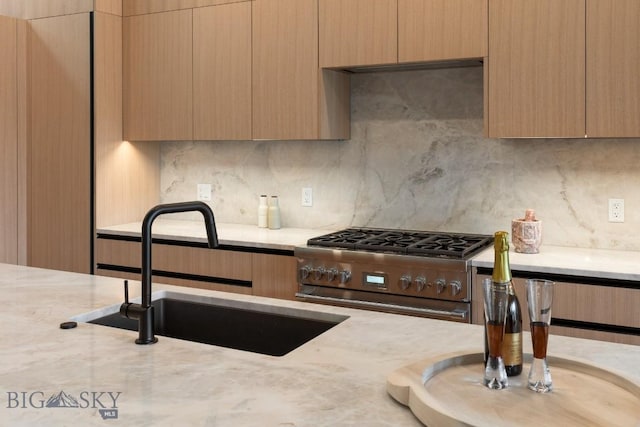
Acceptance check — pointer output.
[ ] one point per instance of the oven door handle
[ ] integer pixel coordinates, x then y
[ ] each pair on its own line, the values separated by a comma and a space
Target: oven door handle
460, 314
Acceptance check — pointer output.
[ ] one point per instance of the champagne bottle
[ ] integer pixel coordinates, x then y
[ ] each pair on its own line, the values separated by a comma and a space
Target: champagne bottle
512, 343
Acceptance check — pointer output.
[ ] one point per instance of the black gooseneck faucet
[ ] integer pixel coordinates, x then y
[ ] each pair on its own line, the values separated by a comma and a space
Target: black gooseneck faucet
144, 312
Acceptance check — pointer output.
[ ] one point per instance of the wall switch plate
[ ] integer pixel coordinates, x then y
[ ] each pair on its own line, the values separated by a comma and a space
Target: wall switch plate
204, 192
307, 196
616, 210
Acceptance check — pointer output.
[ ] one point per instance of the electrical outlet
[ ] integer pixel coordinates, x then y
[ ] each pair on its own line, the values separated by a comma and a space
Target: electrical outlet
616, 210
307, 196
204, 192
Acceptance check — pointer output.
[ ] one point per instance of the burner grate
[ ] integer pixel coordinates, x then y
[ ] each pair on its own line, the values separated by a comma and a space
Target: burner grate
392, 241
418, 243
450, 245
345, 239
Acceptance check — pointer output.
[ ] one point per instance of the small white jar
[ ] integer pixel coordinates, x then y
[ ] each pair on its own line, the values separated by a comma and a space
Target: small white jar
274, 213
263, 212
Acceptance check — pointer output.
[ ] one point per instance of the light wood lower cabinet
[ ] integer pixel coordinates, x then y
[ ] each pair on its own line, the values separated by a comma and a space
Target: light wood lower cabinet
254, 273
274, 276
580, 310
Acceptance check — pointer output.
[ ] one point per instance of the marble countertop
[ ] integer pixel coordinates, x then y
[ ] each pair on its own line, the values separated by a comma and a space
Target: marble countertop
228, 234
607, 264
601, 263
337, 379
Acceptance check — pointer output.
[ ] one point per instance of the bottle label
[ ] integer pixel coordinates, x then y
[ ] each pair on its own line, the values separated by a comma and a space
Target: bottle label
512, 349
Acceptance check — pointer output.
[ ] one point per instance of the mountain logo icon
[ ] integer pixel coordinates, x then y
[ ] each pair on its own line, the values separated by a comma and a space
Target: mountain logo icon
62, 400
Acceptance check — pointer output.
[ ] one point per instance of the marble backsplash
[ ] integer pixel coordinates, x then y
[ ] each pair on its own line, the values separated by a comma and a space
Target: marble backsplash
417, 159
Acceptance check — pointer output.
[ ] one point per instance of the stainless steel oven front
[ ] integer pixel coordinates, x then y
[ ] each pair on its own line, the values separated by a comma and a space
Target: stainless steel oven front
434, 288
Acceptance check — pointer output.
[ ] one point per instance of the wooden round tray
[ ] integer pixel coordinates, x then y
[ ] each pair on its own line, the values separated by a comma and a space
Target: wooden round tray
448, 391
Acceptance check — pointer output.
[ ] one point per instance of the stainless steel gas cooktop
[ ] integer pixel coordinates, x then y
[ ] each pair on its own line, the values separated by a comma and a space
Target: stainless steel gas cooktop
420, 243
422, 273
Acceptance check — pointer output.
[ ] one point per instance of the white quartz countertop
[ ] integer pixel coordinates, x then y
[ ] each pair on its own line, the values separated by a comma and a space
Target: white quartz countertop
601, 263
337, 379
228, 234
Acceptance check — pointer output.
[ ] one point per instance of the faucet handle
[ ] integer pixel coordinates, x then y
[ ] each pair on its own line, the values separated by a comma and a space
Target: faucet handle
126, 292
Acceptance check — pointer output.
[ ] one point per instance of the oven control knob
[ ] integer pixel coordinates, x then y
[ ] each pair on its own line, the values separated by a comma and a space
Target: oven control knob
304, 272
440, 285
455, 287
331, 274
421, 282
405, 282
345, 276
319, 272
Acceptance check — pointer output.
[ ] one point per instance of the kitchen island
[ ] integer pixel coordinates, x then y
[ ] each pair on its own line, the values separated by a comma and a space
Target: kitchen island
337, 379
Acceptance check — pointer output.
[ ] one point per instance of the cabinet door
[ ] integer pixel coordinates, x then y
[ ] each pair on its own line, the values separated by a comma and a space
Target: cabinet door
157, 76
222, 72
285, 69
59, 230
613, 64
358, 32
8, 142
292, 97
433, 30
275, 276
536, 68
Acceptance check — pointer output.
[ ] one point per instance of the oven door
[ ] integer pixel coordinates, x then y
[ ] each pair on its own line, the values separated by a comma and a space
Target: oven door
388, 303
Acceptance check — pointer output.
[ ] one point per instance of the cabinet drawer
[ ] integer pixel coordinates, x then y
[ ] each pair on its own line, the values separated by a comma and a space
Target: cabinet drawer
210, 285
215, 263
594, 311
607, 305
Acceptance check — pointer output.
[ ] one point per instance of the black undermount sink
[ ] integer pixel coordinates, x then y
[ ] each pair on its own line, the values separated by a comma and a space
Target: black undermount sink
245, 326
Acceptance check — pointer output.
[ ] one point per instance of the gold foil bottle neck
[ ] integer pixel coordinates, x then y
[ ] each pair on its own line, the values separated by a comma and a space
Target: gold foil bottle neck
501, 268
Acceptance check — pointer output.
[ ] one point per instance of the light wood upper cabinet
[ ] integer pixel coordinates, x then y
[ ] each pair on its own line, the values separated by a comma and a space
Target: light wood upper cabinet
536, 73
563, 68
358, 32
158, 76
385, 32
434, 30
292, 98
613, 68
222, 72
285, 63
